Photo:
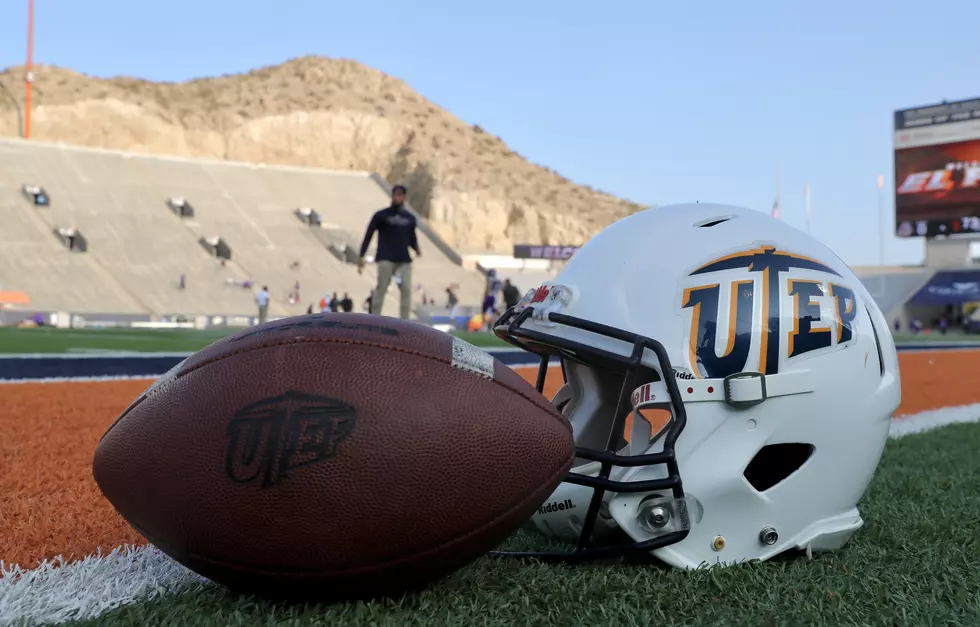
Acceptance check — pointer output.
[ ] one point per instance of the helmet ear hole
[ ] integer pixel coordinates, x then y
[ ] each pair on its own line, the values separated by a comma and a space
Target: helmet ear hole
775, 463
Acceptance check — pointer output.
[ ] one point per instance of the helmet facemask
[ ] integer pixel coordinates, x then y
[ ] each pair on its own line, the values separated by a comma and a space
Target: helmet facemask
603, 393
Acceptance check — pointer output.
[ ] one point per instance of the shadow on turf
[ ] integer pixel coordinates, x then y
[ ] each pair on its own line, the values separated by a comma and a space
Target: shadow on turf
464, 580
408, 595
525, 539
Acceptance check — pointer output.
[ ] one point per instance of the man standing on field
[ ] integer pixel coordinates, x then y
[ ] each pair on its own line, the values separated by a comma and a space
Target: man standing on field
262, 300
396, 234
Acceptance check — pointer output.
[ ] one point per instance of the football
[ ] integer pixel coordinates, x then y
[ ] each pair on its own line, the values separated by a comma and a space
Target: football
333, 456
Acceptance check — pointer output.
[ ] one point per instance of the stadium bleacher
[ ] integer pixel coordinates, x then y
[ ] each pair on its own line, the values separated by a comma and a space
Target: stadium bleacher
138, 247
891, 287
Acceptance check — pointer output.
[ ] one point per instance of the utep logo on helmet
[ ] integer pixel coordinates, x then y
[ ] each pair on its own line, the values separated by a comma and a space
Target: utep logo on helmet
764, 268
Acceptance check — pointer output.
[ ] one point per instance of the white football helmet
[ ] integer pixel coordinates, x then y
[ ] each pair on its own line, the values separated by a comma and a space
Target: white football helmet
730, 383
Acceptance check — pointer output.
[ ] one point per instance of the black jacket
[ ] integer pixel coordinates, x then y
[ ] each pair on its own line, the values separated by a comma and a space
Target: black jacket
396, 234
511, 295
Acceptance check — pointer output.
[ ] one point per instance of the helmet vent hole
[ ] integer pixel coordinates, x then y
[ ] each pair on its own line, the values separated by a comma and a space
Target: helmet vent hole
775, 463
704, 224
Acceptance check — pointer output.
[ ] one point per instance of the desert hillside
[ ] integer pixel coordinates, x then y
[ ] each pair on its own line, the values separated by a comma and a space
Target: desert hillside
314, 111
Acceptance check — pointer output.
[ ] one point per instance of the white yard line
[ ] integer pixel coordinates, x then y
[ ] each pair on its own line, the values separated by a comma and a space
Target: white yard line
55, 592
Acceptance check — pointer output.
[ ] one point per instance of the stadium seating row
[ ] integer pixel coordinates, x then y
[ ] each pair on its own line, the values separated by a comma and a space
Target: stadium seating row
138, 248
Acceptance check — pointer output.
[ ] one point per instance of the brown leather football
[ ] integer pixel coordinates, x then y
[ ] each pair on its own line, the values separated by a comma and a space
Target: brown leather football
333, 456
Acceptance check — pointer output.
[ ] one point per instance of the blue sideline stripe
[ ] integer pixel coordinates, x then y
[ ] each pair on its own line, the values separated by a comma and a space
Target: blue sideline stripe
56, 365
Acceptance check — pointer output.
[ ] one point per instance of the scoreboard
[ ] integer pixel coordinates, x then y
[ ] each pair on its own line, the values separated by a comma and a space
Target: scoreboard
937, 170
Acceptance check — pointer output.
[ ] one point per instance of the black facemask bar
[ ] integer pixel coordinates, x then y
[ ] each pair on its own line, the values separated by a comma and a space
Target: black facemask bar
509, 328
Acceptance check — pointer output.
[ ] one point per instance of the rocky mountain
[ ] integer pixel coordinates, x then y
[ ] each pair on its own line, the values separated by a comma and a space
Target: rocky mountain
333, 113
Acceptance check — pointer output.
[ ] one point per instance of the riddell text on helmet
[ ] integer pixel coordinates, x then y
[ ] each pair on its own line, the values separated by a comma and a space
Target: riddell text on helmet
559, 506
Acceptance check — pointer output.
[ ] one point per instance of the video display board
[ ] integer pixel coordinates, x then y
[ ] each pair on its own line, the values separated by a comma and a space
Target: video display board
937, 170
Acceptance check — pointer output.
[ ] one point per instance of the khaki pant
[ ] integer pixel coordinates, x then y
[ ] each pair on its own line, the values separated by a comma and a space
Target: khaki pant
263, 313
386, 270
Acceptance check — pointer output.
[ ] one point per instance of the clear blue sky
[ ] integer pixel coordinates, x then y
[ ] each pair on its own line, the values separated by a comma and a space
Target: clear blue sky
659, 102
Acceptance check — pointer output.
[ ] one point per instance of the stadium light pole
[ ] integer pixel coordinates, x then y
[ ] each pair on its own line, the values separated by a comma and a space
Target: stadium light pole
29, 73
881, 220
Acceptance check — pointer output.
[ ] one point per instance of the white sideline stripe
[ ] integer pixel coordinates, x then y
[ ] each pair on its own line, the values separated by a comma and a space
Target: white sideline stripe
56, 592
934, 418
96, 353
122, 377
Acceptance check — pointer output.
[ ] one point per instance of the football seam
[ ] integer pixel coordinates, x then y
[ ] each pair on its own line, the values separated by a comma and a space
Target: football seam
551, 411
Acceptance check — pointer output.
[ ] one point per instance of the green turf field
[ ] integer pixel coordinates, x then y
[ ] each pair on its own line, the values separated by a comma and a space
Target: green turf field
15, 340
914, 563
911, 338
50, 340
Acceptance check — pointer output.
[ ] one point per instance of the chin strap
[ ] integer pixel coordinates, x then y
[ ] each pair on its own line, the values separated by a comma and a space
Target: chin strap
742, 389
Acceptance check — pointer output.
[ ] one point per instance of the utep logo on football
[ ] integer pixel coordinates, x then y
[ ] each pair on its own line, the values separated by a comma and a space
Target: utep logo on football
809, 332
271, 438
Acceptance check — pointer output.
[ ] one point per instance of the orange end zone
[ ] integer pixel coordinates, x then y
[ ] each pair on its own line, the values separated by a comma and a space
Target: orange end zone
50, 505
49, 502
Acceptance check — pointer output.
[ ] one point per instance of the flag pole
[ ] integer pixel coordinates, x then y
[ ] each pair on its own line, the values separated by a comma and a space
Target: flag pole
881, 234
777, 209
806, 203
29, 70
